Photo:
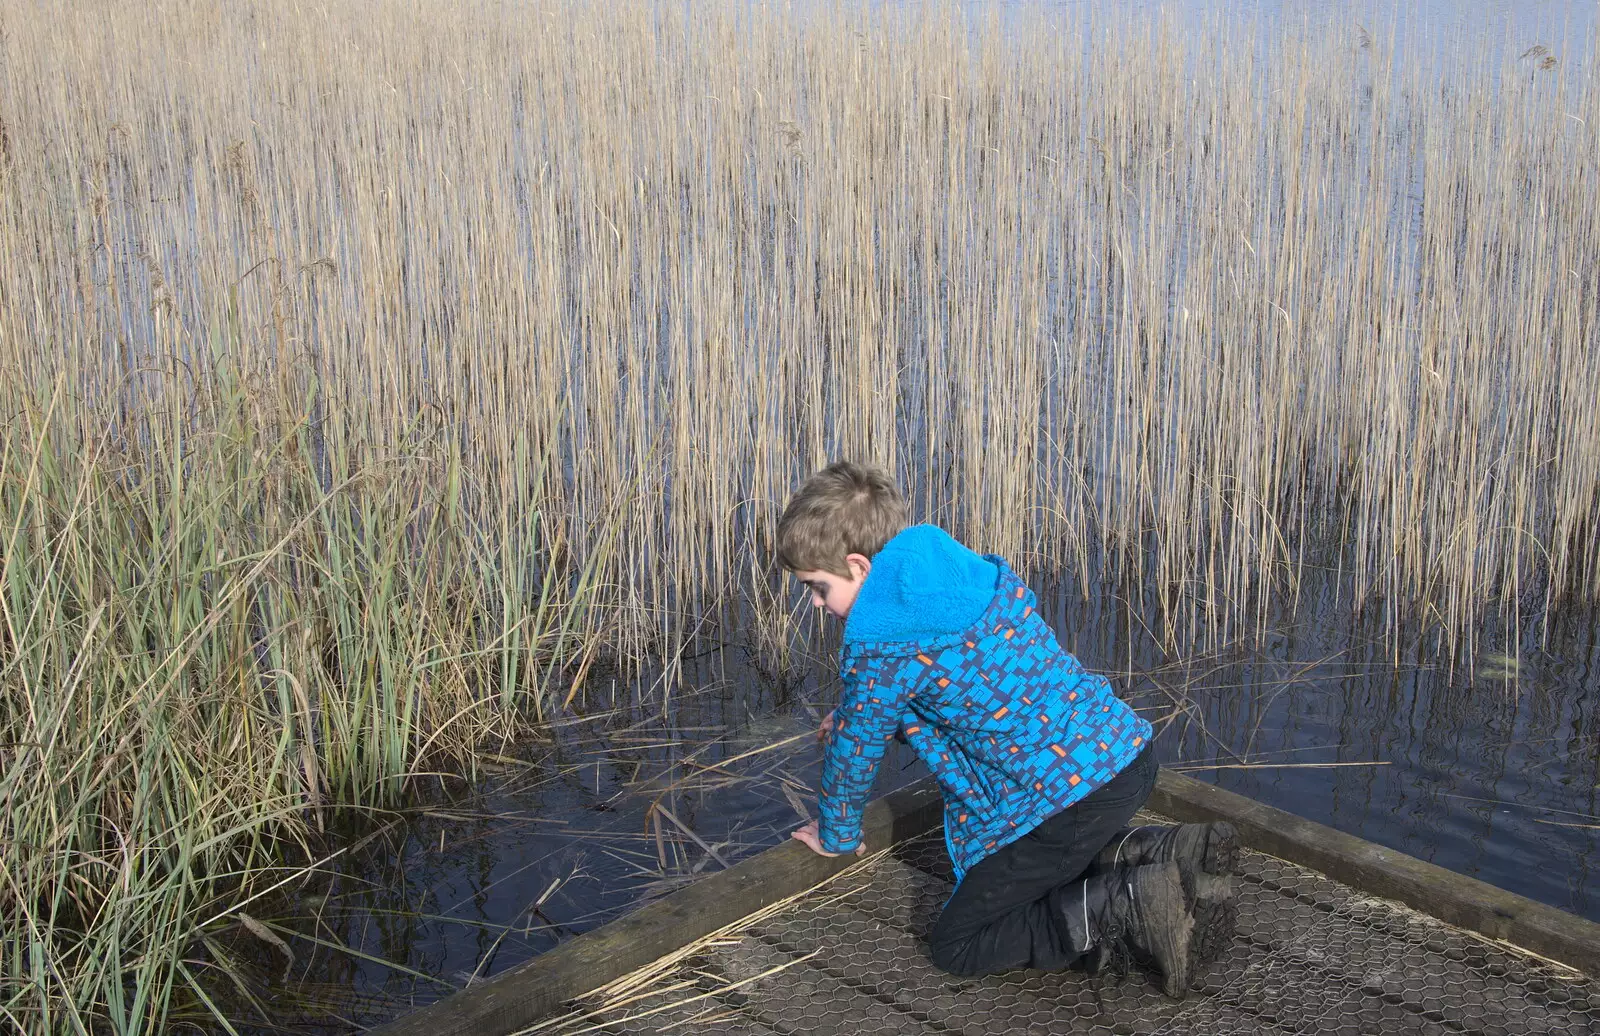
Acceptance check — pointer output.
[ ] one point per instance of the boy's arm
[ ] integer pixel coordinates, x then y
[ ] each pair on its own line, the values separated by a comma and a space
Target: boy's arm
875, 695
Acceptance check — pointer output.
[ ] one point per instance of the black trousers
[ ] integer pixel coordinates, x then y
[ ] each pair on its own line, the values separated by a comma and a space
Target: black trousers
1000, 917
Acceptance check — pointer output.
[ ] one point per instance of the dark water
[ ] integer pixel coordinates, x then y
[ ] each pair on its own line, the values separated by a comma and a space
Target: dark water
1486, 762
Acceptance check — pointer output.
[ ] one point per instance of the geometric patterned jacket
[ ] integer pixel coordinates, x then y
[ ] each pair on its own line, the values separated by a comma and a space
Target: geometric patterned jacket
1011, 725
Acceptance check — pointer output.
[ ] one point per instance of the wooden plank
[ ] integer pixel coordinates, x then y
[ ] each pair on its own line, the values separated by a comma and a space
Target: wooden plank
540, 987
1455, 898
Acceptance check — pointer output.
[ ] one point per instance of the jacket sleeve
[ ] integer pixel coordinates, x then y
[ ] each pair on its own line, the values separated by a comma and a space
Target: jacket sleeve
876, 692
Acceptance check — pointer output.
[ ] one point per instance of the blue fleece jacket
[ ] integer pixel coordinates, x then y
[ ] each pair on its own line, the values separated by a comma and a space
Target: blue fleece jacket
948, 645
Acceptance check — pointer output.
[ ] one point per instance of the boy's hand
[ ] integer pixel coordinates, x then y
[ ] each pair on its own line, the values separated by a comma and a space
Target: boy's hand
827, 726
807, 833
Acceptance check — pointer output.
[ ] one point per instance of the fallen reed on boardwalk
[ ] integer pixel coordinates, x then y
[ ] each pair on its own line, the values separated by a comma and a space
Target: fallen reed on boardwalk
369, 367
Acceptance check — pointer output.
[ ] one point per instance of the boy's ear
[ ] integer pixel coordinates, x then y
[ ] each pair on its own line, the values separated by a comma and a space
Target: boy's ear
859, 565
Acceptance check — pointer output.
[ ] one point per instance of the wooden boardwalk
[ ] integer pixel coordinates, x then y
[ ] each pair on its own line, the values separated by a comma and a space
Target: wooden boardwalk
845, 957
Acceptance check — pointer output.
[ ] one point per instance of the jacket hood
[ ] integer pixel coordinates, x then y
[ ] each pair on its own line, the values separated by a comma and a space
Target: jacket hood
924, 588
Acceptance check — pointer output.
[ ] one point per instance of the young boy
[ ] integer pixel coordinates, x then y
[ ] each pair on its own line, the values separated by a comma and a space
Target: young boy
1040, 764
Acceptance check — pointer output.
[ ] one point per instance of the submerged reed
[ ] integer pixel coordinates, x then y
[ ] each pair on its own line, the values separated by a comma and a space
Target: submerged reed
368, 368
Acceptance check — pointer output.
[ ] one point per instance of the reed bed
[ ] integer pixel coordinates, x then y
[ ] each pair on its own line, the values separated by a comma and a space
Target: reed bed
373, 371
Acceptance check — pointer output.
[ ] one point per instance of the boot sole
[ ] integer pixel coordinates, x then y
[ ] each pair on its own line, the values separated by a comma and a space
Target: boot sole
1183, 950
1216, 921
1210, 888
1209, 892
1216, 911
1221, 853
1206, 886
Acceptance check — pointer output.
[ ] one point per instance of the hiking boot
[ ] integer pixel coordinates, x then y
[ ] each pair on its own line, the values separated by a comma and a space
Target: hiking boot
1207, 856
1202, 849
1143, 913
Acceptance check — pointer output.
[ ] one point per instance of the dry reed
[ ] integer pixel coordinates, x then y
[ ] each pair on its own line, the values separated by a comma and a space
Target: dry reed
369, 367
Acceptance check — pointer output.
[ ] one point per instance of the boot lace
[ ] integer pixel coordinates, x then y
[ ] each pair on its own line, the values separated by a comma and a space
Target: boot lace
1112, 955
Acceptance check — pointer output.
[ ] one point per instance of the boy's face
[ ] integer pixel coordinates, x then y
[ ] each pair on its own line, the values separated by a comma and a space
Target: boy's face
833, 592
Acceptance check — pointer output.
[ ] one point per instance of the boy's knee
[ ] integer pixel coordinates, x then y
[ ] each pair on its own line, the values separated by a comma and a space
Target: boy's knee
945, 958
952, 956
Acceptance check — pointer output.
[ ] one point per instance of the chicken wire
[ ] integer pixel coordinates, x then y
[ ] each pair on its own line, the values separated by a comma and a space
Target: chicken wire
1310, 956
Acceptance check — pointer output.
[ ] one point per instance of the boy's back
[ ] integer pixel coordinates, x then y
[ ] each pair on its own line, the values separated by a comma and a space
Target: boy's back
948, 646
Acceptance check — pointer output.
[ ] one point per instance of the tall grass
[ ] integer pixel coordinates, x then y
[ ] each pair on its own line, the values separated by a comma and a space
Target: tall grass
369, 367
210, 640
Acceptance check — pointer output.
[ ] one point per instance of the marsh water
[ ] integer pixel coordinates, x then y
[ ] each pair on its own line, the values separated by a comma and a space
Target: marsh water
1481, 757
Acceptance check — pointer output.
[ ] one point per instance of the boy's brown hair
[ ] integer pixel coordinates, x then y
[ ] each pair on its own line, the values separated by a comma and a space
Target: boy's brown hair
843, 509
